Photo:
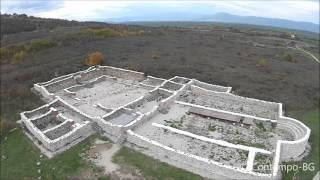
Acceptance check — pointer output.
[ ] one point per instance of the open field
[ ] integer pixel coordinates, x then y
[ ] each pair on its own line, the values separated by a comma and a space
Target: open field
20, 157
150, 168
254, 65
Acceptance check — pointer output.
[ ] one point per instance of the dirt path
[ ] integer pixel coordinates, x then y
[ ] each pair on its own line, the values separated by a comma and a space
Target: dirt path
101, 154
306, 52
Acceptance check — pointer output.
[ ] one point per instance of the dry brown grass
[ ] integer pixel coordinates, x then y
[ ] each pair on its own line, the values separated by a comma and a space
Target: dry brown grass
93, 59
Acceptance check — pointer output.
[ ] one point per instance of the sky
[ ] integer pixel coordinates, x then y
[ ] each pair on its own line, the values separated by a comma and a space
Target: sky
121, 10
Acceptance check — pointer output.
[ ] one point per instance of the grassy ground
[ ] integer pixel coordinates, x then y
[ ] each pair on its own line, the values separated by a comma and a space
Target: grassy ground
21, 159
151, 168
311, 119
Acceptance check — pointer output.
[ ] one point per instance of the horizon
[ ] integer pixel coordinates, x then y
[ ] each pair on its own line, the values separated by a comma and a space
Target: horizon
126, 11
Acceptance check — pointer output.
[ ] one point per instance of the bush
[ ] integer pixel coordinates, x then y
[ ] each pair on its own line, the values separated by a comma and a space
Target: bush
262, 63
102, 32
155, 56
94, 59
18, 57
289, 58
108, 32
4, 52
15, 54
132, 67
37, 45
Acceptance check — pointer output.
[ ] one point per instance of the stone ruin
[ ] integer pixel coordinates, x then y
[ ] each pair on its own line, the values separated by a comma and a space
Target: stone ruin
200, 127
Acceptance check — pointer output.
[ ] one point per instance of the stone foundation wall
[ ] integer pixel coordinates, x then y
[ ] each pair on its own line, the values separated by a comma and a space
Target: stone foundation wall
230, 116
192, 163
89, 75
81, 132
293, 149
211, 87
234, 103
59, 85
123, 73
54, 145
44, 120
171, 86
181, 80
153, 81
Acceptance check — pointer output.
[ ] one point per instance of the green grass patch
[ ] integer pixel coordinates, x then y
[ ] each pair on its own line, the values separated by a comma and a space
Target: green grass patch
21, 157
289, 58
260, 126
311, 119
16, 54
151, 168
212, 127
262, 63
108, 32
39, 44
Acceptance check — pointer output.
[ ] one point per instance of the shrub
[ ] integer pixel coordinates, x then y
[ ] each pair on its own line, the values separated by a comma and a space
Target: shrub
94, 59
212, 127
289, 58
18, 57
155, 56
261, 126
4, 52
39, 44
4, 55
132, 67
262, 63
15, 54
108, 32
102, 32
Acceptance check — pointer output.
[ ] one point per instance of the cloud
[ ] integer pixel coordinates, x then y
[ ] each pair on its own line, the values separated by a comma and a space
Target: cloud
28, 6
163, 10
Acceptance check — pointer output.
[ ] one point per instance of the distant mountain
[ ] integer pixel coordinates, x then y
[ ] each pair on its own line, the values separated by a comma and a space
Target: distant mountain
282, 23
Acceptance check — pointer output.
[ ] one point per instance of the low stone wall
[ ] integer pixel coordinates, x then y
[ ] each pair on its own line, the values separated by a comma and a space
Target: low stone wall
290, 150
82, 131
111, 131
153, 81
211, 87
193, 163
123, 73
47, 96
54, 145
230, 116
38, 111
293, 149
43, 121
89, 75
171, 86
233, 103
181, 80
226, 115
59, 85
